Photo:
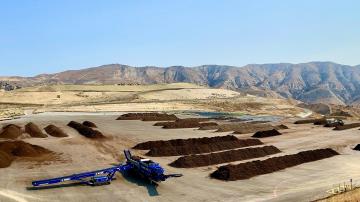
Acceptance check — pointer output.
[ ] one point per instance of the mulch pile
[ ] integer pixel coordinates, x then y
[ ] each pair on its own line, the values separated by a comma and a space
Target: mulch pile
258, 127
11, 149
85, 131
306, 121
148, 117
55, 131
223, 157
34, 131
347, 126
266, 133
199, 148
186, 123
89, 124
11, 131
183, 142
255, 168
357, 148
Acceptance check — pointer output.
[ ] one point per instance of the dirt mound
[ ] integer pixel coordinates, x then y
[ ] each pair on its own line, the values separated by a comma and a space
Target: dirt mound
223, 157
148, 117
89, 124
5, 159
357, 148
334, 124
85, 131
55, 131
266, 133
320, 122
281, 127
182, 142
11, 149
34, 131
255, 168
258, 127
11, 131
186, 123
202, 148
306, 121
341, 113
347, 126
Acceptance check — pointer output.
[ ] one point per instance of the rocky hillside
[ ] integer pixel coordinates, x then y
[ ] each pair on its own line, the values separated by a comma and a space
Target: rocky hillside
313, 82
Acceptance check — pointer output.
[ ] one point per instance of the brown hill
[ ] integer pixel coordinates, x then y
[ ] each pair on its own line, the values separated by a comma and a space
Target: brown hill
309, 82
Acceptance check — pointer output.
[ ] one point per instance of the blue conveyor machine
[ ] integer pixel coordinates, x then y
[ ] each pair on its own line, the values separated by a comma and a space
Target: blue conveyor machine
144, 168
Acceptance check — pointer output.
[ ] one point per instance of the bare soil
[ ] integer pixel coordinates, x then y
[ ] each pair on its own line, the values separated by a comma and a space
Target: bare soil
89, 124
11, 131
266, 133
347, 126
34, 131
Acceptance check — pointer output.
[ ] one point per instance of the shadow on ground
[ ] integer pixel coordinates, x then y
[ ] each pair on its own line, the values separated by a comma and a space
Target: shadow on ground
150, 186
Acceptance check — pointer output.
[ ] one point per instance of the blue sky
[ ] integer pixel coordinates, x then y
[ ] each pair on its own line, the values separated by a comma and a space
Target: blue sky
47, 36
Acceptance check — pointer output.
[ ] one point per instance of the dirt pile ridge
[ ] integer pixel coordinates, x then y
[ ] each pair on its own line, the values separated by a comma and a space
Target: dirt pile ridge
11, 149
347, 126
34, 131
55, 131
266, 133
357, 147
258, 127
202, 148
307, 121
11, 131
148, 117
183, 142
89, 124
223, 157
85, 131
186, 123
255, 168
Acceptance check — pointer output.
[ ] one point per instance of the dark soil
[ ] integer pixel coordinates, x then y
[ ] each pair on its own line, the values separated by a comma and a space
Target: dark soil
55, 131
255, 168
331, 125
320, 122
186, 123
266, 133
11, 131
357, 148
148, 117
34, 131
347, 126
85, 131
89, 124
281, 127
183, 142
223, 157
258, 127
306, 121
202, 148
11, 149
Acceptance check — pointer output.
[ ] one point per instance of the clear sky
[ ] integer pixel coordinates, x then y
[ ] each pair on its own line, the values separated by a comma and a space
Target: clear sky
47, 36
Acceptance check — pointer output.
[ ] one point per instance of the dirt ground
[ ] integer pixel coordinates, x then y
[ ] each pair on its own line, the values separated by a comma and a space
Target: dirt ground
76, 154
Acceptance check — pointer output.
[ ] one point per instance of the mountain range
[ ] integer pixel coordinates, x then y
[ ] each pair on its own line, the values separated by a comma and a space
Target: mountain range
313, 82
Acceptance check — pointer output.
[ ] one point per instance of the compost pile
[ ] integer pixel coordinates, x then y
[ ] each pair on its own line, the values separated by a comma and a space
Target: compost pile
347, 126
9, 150
258, 127
223, 157
34, 131
85, 131
178, 147
89, 124
255, 168
307, 121
11, 131
357, 148
266, 133
186, 123
148, 117
55, 131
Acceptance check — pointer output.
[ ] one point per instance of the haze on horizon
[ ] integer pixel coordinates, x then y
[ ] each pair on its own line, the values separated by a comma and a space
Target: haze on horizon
51, 36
